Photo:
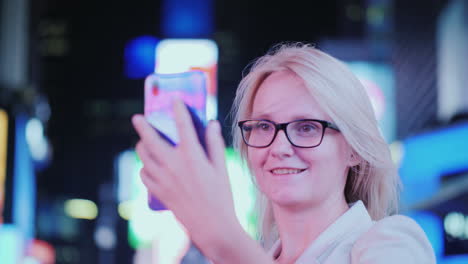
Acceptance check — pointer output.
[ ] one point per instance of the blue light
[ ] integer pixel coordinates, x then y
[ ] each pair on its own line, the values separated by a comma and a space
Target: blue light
11, 244
457, 259
433, 227
24, 182
140, 57
187, 18
429, 156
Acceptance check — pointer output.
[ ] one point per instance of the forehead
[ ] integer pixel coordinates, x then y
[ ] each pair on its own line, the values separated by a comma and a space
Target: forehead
282, 97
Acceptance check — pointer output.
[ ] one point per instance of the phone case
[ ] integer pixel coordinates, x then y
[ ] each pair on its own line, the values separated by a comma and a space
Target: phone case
160, 89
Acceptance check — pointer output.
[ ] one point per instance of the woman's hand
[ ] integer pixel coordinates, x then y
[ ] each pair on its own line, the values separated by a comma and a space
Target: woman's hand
192, 184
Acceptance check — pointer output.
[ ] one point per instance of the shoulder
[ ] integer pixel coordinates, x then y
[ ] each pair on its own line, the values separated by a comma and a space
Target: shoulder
394, 239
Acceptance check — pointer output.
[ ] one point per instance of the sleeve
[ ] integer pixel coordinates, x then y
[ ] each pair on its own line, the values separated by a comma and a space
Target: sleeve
395, 239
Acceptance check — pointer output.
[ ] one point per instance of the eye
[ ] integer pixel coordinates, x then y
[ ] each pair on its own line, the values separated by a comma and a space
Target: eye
247, 127
264, 126
306, 128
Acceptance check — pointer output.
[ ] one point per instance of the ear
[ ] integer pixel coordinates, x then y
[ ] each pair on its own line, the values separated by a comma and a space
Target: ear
354, 159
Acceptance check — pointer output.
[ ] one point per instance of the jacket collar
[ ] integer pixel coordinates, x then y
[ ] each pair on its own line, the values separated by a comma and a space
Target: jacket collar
356, 219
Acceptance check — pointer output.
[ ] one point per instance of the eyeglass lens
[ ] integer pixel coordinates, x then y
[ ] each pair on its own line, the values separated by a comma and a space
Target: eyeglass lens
303, 133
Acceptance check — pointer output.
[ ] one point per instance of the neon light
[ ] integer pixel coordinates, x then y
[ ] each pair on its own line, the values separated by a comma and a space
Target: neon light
36, 140
125, 209
429, 156
457, 259
139, 56
181, 55
141, 227
41, 252
81, 209
187, 18
456, 225
397, 152
376, 97
243, 191
128, 166
143, 222
11, 244
3, 157
172, 242
30, 260
105, 237
378, 79
24, 182
435, 153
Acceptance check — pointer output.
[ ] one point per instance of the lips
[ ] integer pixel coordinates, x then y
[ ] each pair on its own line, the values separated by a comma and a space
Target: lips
286, 171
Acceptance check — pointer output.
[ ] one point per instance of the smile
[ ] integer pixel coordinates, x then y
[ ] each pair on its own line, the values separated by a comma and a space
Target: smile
285, 171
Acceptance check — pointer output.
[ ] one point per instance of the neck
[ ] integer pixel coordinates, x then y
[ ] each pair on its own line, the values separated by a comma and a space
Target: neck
298, 228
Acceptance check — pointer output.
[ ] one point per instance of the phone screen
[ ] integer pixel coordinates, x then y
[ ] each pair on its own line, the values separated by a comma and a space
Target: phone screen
160, 89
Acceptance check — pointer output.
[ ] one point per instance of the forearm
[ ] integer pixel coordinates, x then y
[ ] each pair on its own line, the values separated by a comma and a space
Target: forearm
236, 246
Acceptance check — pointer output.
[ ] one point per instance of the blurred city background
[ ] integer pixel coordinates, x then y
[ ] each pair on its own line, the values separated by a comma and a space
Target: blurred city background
72, 74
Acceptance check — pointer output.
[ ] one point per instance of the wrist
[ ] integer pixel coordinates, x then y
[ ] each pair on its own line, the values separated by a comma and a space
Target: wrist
226, 244
233, 245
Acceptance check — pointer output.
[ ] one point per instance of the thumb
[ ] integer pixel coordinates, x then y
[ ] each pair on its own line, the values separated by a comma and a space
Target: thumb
215, 145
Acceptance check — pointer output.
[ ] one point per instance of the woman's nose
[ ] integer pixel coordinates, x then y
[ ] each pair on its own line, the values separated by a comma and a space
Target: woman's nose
281, 147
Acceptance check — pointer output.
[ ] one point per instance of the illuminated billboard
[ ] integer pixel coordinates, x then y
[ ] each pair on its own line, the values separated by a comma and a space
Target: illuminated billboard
181, 55
378, 80
145, 224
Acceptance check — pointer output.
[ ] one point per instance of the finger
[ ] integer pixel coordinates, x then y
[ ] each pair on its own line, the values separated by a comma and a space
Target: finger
183, 120
143, 153
158, 147
153, 169
215, 145
149, 183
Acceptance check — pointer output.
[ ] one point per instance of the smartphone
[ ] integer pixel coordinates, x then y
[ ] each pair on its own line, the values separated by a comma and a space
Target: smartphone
160, 89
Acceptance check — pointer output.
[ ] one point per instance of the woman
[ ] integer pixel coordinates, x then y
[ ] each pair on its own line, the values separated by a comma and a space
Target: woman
327, 183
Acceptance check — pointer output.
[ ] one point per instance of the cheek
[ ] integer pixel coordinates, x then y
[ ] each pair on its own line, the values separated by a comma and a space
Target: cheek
338, 149
335, 159
330, 158
344, 154
256, 159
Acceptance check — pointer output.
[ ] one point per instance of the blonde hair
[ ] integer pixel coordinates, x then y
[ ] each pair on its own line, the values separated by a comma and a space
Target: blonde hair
340, 94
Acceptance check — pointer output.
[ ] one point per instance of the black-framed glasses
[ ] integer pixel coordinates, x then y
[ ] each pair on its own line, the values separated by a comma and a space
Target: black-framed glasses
302, 133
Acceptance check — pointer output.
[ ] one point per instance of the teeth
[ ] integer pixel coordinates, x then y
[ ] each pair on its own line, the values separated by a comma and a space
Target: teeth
286, 171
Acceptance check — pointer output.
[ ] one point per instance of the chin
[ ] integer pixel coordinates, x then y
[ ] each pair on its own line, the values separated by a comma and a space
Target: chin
287, 198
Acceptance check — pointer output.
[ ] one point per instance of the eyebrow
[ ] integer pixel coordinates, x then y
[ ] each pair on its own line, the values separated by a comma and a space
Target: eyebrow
296, 117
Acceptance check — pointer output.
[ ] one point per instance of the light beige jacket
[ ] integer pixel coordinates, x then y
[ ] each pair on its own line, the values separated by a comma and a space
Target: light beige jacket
355, 238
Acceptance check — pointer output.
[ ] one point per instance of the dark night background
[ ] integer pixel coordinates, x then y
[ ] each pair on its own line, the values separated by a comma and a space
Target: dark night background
76, 60
92, 100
